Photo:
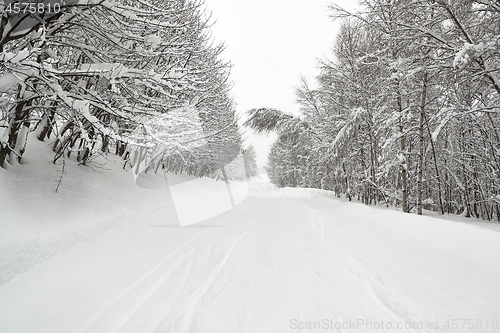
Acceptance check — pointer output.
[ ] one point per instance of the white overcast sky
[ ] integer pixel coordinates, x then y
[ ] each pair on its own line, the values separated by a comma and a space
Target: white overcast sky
271, 43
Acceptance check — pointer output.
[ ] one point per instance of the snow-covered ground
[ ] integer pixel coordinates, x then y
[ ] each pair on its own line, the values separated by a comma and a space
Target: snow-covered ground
106, 255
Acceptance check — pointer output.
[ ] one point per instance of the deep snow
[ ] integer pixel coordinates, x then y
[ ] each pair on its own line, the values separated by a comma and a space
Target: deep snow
106, 255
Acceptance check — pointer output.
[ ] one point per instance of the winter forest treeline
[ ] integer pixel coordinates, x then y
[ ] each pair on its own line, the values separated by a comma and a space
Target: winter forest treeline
406, 113
139, 79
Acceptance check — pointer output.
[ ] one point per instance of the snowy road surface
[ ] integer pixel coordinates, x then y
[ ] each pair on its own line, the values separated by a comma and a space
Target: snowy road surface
287, 260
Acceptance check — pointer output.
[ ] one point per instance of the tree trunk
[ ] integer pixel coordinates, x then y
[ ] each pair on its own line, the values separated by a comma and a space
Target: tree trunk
3, 22
11, 150
438, 176
404, 176
48, 125
421, 145
373, 164
465, 178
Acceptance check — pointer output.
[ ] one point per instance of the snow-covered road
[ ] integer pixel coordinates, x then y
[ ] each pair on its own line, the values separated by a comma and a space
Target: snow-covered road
289, 260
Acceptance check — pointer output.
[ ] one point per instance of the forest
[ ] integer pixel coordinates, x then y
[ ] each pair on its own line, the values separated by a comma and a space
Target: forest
140, 79
405, 113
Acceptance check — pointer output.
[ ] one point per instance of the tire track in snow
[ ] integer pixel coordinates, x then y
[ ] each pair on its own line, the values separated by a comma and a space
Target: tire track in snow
372, 290
228, 279
187, 265
192, 304
114, 315
141, 289
367, 288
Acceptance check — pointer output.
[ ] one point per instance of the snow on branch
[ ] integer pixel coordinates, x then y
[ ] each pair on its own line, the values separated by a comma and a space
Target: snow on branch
265, 120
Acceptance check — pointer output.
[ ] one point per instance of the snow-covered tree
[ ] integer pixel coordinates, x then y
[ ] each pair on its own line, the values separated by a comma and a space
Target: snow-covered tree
250, 161
406, 112
143, 77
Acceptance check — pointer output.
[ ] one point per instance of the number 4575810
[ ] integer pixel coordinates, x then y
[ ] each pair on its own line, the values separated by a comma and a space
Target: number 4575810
18, 8
470, 324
